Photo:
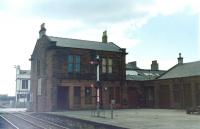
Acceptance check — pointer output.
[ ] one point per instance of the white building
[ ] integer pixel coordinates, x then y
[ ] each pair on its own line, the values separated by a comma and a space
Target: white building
22, 85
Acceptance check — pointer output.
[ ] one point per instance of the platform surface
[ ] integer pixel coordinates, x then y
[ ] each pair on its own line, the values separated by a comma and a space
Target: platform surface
141, 118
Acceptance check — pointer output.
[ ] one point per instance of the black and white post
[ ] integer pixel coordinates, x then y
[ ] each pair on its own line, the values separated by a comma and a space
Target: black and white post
98, 91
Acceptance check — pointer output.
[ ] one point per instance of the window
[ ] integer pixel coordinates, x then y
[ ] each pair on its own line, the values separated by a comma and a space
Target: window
77, 64
73, 63
77, 95
107, 65
24, 84
38, 67
70, 64
103, 65
88, 95
39, 88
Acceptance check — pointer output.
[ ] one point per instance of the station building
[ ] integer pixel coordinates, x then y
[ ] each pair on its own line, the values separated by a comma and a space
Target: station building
64, 77
23, 95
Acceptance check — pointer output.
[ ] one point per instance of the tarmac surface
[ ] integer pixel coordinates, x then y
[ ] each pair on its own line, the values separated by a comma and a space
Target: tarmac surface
140, 118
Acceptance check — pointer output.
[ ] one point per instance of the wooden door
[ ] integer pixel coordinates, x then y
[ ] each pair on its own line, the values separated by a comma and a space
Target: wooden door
132, 97
164, 96
62, 98
187, 96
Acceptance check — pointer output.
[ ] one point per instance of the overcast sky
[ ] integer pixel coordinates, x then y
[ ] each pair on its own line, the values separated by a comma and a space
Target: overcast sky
148, 29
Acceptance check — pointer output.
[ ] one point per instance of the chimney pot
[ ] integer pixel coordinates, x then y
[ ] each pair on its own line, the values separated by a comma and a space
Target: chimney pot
154, 65
180, 59
104, 37
42, 31
132, 65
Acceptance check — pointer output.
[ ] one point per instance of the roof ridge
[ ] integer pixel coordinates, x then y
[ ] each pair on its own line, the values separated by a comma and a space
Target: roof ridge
192, 62
75, 39
167, 71
84, 44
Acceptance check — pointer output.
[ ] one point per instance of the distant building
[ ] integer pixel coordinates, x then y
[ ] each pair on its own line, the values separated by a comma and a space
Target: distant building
138, 95
6, 101
64, 77
22, 85
179, 87
135, 73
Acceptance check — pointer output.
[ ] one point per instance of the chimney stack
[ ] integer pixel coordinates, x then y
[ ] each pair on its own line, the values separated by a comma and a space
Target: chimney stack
154, 65
180, 59
42, 31
104, 37
132, 65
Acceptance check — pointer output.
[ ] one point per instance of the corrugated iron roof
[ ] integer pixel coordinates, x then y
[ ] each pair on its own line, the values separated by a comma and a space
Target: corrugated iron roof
183, 70
85, 44
25, 71
142, 74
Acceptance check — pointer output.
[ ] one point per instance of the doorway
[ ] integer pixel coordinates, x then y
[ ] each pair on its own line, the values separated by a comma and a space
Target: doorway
62, 98
164, 96
132, 97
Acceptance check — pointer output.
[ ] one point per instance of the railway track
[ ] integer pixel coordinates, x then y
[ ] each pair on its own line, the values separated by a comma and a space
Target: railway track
6, 124
24, 121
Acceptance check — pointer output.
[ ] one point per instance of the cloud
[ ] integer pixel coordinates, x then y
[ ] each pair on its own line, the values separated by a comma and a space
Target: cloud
87, 11
166, 8
199, 34
84, 10
82, 19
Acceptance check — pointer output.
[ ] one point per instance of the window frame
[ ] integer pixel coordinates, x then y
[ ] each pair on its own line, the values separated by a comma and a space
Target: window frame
104, 65
107, 65
73, 63
25, 84
110, 65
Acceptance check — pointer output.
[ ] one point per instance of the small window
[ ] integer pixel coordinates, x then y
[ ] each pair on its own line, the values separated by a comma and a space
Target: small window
24, 84
110, 65
77, 64
107, 65
38, 67
73, 63
70, 64
39, 90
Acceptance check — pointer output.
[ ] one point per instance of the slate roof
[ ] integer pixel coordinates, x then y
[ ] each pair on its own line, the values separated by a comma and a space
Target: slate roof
183, 70
85, 44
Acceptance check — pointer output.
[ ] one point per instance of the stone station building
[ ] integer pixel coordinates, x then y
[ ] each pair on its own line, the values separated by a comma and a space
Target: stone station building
63, 73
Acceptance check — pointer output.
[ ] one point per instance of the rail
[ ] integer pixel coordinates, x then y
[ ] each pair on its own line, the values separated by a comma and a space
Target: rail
8, 123
31, 122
